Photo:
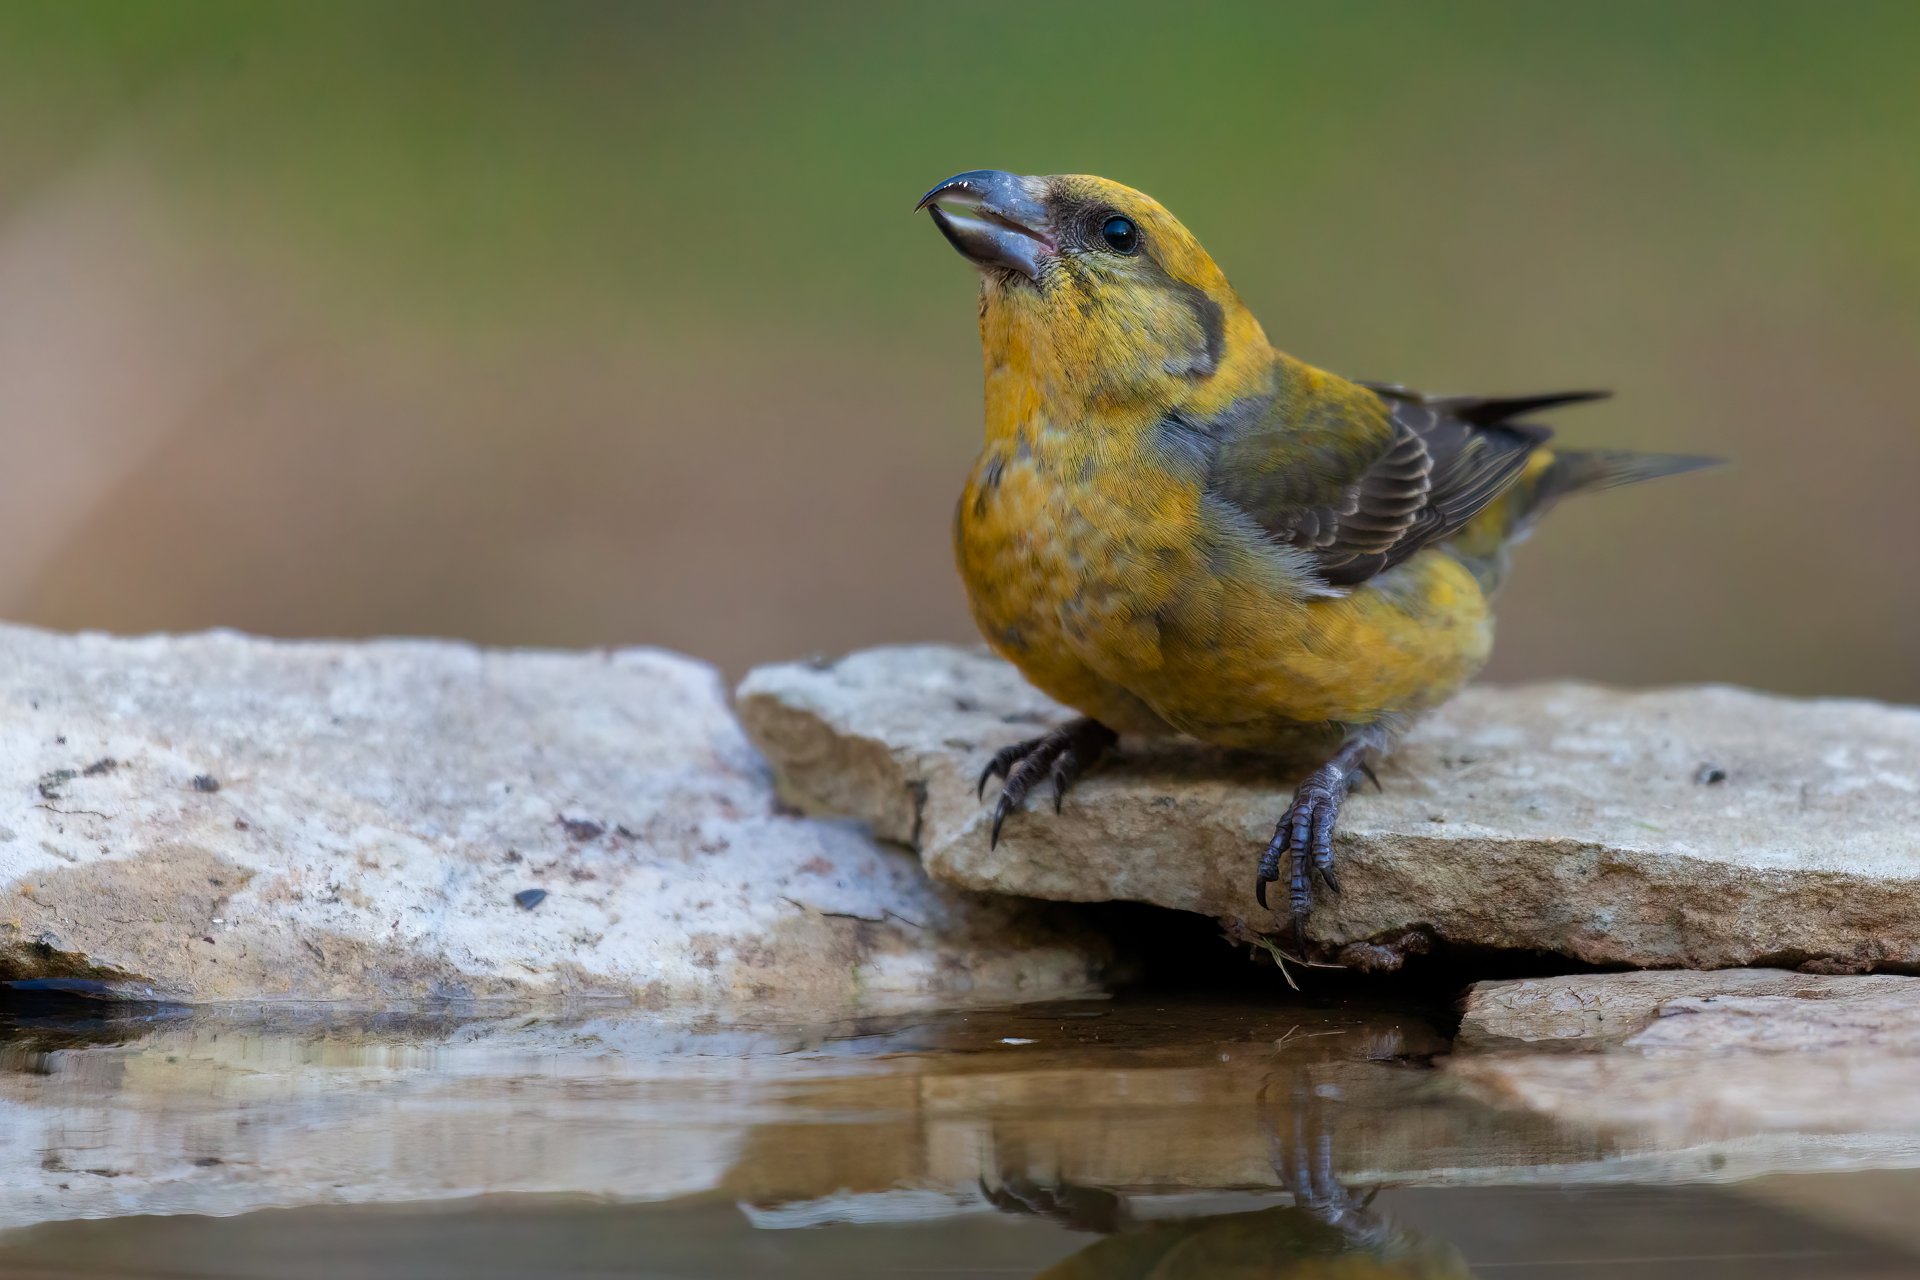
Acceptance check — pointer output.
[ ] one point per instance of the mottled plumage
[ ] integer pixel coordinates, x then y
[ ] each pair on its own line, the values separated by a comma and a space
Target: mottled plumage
1175, 527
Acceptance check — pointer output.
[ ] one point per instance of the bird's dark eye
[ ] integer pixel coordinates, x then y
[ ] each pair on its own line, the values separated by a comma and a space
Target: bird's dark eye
1120, 234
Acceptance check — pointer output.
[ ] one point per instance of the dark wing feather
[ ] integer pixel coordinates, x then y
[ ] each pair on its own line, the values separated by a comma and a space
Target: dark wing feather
1485, 410
1417, 470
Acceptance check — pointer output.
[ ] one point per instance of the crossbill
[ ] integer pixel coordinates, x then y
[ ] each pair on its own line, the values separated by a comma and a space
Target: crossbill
1176, 528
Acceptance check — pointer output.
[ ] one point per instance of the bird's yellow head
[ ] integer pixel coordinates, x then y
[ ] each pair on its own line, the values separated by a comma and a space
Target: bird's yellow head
1094, 299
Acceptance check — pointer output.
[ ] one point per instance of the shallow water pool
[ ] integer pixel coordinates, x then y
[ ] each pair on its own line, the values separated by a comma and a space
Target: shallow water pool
1150, 1136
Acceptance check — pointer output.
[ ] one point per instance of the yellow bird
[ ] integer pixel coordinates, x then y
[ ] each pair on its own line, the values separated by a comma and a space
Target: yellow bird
1176, 528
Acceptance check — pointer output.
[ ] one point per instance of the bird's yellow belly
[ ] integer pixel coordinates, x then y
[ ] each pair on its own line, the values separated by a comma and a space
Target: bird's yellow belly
1139, 608
1394, 647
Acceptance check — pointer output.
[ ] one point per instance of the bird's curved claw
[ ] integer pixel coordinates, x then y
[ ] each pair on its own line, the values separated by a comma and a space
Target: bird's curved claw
1303, 839
1059, 757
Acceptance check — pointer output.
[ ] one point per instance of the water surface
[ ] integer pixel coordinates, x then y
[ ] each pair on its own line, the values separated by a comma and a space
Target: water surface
1153, 1136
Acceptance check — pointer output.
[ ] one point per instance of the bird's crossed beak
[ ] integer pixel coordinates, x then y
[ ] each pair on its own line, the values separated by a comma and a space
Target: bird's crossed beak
996, 219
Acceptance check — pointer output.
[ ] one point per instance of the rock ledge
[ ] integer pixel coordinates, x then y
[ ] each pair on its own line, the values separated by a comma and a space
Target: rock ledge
1696, 827
223, 819
1671, 1059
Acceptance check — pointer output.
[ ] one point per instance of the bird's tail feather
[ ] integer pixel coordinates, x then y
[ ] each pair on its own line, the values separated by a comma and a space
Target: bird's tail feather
1590, 470
1486, 544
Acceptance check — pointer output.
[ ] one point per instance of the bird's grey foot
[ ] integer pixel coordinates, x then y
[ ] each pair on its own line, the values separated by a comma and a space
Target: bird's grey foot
1304, 836
1301, 1149
1060, 756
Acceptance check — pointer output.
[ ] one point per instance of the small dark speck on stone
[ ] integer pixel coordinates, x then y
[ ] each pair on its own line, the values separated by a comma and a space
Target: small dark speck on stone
1708, 774
51, 783
241, 824
513, 855
528, 899
207, 1162
206, 783
582, 828
106, 764
625, 834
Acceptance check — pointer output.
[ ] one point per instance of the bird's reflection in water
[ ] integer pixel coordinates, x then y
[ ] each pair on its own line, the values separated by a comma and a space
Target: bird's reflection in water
1329, 1232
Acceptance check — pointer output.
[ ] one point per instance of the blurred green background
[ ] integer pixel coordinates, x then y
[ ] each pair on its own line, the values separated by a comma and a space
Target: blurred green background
598, 323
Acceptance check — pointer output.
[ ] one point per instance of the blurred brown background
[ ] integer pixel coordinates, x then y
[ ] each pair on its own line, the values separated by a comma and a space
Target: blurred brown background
596, 323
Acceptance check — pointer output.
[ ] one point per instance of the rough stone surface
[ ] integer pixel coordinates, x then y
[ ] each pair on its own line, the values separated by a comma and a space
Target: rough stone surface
1685, 1011
1678, 1058
219, 818
1699, 827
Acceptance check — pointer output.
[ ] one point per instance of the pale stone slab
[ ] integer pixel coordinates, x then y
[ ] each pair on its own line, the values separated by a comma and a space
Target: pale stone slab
1674, 1059
1697, 827
220, 818
1684, 1011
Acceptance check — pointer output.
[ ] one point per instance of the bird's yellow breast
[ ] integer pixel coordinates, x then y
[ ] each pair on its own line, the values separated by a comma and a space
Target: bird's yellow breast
1120, 587
1035, 550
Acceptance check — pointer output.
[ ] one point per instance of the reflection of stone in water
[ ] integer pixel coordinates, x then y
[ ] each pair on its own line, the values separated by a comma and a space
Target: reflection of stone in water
1150, 1103
1280, 1242
1140, 1101
35, 1026
1328, 1230
1111, 1138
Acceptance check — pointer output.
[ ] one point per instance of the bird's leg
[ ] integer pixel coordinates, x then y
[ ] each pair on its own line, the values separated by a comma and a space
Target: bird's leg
1301, 1137
1304, 836
1062, 756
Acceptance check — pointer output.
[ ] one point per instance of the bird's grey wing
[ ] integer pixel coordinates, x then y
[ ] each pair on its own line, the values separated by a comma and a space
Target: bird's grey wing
1361, 484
